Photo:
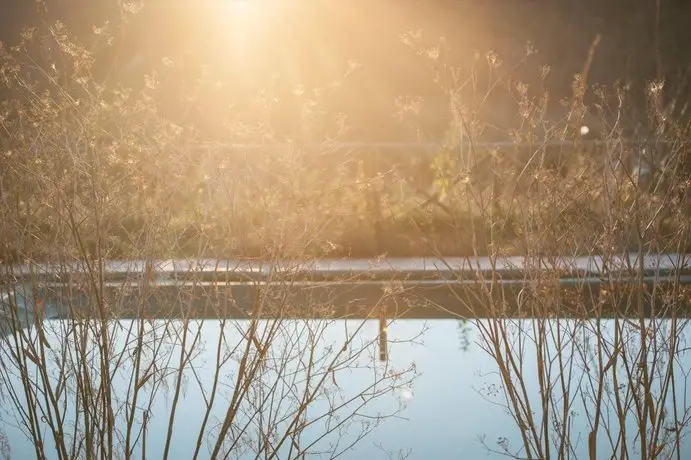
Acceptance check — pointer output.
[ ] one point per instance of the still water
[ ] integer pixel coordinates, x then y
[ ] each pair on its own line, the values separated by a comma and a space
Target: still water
439, 395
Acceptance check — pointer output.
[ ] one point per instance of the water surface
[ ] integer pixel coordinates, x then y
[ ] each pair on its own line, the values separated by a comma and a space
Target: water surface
440, 380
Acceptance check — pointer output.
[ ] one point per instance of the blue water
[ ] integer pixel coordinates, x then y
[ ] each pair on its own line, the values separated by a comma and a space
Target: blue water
446, 395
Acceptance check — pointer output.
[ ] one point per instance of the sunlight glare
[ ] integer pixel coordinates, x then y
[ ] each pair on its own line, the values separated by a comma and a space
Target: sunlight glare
406, 394
245, 10
245, 21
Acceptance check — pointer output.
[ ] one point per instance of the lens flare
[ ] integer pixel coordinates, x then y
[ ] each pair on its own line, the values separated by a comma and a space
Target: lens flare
406, 394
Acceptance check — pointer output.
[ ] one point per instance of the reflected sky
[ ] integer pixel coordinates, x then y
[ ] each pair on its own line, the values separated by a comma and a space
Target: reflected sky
455, 400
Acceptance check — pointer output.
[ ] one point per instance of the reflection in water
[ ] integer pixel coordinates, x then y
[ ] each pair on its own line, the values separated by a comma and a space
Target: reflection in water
522, 387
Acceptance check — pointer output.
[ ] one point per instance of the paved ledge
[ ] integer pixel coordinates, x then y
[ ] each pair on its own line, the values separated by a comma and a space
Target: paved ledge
423, 268
587, 287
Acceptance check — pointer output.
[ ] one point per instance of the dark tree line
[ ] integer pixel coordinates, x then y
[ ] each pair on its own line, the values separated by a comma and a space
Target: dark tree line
310, 44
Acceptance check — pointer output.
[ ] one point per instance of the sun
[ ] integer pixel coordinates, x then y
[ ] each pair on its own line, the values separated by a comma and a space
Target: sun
246, 9
242, 6
245, 20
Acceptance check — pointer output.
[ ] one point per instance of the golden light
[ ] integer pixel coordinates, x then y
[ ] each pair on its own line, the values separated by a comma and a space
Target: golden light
243, 25
245, 14
242, 9
299, 52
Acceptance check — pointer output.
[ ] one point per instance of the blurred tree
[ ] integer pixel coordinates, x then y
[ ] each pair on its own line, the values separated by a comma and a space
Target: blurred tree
308, 45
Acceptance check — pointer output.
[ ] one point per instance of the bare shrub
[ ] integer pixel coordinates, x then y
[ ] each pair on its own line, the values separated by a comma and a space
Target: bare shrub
587, 358
98, 359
